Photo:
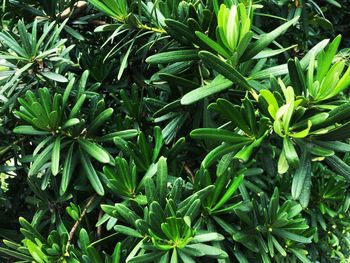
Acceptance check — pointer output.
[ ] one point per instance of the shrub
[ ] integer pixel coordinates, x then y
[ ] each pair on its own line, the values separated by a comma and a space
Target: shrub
174, 131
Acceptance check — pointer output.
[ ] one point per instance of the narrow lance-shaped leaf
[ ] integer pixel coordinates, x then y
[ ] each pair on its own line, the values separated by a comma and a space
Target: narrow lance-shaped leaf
266, 39
68, 169
55, 159
91, 173
301, 173
99, 120
28, 130
230, 191
217, 85
224, 68
162, 176
218, 135
94, 150
173, 56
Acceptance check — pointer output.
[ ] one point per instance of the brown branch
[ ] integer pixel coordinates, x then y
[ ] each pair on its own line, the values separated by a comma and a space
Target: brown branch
77, 223
76, 10
99, 228
5, 149
189, 172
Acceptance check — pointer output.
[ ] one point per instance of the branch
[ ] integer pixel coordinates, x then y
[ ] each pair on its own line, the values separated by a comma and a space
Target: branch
189, 172
76, 10
77, 223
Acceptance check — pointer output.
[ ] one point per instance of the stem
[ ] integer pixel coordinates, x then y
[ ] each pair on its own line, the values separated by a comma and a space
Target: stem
201, 74
103, 239
99, 228
189, 172
77, 223
77, 8
156, 30
7, 148
254, 94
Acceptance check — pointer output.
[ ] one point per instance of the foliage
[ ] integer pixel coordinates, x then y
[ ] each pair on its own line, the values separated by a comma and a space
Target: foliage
174, 131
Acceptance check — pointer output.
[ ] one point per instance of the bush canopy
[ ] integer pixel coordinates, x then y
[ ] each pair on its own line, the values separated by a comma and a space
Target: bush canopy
174, 131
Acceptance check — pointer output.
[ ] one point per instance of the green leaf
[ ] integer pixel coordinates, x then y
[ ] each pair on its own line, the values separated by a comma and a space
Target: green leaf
99, 120
305, 194
211, 43
290, 152
71, 122
28, 130
67, 92
104, 8
245, 153
91, 173
229, 192
77, 107
84, 238
40, 160
124, 62
94, 150
272, 102
225, 69
300, 175
300, 254
150, 190
337, 114
127, 231
218, 135
209, 251
338, 134
10, 42
297, 76
55, 159
193, 210
162, 176
207, 237
334, 145
217, 85
94, 255
283, 69
278, 246
149, 257
125, 134
175, 80
36, 252
117, 253
28, 226
232, 113
173, 56
266, 39
68, 168
312, 121
185, 258
316, 149
181, 32
339, 166
282, 165
54, 76
291, 236
219, 151
272, 52
326, 58
15, 254
159, 142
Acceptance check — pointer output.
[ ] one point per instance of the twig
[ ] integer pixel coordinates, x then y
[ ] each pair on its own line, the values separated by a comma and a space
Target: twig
189, 172
77, 223
7, 148
99, 228
77, 8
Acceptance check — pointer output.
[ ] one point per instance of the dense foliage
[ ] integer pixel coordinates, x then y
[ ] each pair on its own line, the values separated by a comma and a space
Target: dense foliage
174, 131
